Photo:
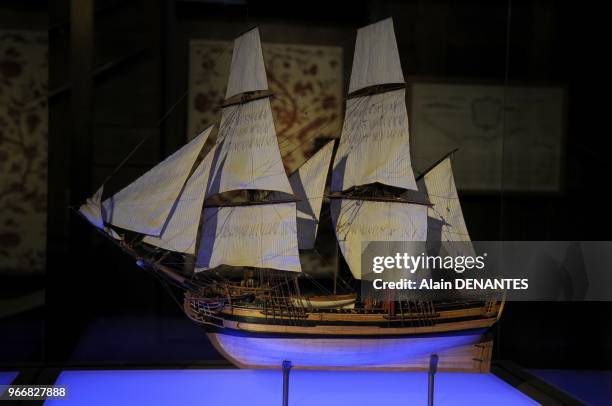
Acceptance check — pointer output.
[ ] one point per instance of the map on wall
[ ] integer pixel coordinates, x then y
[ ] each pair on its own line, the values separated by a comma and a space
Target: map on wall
23, 150
307, 86
508, 138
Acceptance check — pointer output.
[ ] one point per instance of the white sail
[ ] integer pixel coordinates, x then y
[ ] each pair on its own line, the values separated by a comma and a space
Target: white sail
374, 146
445, 220
144, 205
308, 184
260, 235
180, 232
247, 155
362, 221
376, 60
247, 72
92, 211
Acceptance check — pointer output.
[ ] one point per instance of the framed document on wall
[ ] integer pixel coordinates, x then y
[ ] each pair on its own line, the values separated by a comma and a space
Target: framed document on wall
509, 138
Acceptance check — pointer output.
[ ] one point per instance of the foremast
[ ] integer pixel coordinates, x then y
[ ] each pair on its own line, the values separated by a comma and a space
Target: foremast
194, 205
259, 232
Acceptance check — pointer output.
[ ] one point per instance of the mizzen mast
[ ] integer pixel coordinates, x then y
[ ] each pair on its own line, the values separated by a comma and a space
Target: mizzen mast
445, 222
373, 185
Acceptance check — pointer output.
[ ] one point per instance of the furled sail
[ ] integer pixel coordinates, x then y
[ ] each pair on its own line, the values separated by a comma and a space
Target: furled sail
247, 155
308, 184
92, 211
180, 232
374, 145
144, 205
258, 235
376, 60
445, 220
359, 221
247, 72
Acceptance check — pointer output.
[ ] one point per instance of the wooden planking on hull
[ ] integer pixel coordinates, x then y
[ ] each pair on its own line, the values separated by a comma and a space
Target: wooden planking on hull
356, 330
462, 353
253, 320
479, 311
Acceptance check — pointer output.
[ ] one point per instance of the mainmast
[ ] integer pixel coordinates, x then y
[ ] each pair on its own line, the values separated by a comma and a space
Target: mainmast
260, 233
374, 146
374, 153
248, 156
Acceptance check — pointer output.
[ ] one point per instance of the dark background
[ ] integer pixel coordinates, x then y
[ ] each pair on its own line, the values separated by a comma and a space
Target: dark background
115, 71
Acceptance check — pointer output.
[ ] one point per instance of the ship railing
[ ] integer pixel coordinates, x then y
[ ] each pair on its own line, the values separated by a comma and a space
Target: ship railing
279, 302
203, 311
283, 307
415, 312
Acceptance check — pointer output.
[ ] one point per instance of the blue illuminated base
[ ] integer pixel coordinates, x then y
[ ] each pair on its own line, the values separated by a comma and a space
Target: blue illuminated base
264, 388
465, 351
7, 377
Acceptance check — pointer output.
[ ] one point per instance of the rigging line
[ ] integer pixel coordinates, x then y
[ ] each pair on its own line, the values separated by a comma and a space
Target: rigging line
164, 283
276, 276
288, 139
359, 103
157, 125
344, 81
317, 284
260, 239
203, 220
166, 241
215, 213
161, 120
282, 219
225, 222
270, 164
328, 262
222, 143
348, 113
354, 212
305, 112
358, 106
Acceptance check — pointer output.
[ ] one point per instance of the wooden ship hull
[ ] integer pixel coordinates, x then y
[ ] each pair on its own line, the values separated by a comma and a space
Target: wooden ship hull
463, 351
347, 339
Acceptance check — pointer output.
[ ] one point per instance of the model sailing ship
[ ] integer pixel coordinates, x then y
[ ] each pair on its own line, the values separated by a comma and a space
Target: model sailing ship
227, 228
